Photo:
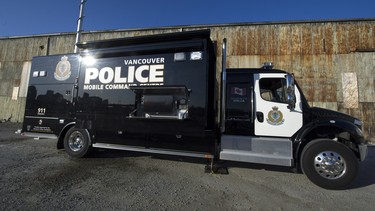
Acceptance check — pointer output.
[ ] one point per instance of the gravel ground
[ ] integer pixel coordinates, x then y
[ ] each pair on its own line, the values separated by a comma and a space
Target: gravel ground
34, 175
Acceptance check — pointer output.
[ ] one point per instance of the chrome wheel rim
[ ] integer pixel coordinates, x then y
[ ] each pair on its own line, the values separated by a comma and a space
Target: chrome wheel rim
330, 165
76, 141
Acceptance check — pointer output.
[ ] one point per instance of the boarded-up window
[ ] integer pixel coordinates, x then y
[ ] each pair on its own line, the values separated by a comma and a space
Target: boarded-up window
350, 90
25, 79
15, 93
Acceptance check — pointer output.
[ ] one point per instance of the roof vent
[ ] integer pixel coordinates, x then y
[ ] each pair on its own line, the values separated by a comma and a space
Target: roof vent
267, 65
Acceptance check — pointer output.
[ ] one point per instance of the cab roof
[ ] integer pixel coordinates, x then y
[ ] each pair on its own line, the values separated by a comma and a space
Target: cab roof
254, 70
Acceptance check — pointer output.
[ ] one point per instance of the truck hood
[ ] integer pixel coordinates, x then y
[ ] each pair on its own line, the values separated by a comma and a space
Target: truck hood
325, 114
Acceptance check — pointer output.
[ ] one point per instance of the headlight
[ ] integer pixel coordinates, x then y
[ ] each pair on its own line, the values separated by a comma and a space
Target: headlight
358, 122
359, 131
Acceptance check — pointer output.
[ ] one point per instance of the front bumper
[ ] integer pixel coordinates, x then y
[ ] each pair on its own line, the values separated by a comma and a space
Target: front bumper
363, 150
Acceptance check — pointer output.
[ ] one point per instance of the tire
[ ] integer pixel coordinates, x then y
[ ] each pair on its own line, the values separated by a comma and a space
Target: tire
329, 164
77, 142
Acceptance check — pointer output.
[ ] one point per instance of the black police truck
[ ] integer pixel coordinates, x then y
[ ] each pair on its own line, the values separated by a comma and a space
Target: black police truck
161, 94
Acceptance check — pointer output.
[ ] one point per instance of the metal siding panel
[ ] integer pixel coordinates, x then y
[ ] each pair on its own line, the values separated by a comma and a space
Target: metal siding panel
216, 36
231, 41
296, 66
240, 43
363, 64
251, 44
320, 90
328, 38
317, 40
284, 47
232, 61
352, 37
339, 66
341, 39
272, 40
268, 58
306, 40
307, 65
249, 61
368, 117
257, 41
327, 105
366, 38
296, 47
62, 44
263, 40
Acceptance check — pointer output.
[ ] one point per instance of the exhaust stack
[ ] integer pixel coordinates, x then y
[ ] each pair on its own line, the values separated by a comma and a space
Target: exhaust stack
223, 85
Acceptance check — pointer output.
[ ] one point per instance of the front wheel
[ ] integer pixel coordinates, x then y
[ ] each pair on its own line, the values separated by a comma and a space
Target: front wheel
77, 142
329, 164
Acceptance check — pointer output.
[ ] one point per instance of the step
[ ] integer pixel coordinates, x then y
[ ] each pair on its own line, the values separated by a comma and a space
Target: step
263, 150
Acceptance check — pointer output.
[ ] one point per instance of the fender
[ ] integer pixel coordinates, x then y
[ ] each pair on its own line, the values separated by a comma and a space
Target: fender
60, 144
334, 126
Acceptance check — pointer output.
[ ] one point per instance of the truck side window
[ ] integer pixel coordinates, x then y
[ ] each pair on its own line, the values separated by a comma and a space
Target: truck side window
273, 89
161, 102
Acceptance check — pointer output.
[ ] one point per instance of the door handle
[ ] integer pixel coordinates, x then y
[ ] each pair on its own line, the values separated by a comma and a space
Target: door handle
260, 116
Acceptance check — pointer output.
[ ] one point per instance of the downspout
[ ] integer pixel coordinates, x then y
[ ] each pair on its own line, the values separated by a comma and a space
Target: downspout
79, 25
48, 44
223, 85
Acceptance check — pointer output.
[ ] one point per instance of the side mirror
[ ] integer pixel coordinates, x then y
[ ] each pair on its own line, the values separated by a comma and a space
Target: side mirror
290, 91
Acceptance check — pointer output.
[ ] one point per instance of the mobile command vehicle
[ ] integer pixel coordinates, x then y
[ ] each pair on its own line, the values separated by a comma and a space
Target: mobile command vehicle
160, 94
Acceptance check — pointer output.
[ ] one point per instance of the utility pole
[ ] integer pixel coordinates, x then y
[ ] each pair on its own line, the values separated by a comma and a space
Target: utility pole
79, 25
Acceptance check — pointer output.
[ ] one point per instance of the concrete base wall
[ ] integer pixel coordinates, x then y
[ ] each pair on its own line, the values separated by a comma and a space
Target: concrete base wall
14, 109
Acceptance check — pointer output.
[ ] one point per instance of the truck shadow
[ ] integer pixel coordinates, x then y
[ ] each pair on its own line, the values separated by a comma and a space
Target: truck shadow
232, 164
112, 153
366, 176
219, 165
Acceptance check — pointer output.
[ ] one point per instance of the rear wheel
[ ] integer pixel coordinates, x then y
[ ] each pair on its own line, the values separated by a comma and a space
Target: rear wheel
329, 164
77, 142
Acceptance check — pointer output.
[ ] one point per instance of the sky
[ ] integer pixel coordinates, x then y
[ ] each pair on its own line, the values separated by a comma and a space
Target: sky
31, 17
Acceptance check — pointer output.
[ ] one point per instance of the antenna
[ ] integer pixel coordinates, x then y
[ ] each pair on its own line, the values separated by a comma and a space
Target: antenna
79, 25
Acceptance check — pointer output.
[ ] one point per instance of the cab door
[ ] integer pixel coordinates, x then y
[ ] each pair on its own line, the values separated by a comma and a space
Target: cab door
272, 115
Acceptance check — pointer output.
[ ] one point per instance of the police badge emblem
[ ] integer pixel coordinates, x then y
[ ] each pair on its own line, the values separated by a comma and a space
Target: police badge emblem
63, 69
275, 117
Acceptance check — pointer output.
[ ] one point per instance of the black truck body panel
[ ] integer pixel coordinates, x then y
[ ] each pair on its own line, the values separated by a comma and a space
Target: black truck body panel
50, 97
138, 109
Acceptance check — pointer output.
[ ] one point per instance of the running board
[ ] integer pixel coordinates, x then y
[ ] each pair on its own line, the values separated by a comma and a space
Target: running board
152, 150
39, 135
262, 150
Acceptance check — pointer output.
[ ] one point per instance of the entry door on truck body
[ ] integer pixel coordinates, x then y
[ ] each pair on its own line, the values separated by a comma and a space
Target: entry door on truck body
239, 103
273, 117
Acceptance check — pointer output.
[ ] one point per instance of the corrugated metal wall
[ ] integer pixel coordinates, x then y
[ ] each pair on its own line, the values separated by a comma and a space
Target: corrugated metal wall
333, 61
